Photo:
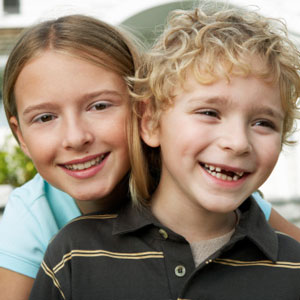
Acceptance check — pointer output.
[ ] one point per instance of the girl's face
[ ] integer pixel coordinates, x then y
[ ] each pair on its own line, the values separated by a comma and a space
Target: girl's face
72, 124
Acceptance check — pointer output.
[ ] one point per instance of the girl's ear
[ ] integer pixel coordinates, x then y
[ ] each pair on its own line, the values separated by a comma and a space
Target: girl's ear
17, 130
148, 129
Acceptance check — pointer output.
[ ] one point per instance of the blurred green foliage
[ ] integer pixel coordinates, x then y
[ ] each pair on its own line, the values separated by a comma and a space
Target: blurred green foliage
1, 79
15, 167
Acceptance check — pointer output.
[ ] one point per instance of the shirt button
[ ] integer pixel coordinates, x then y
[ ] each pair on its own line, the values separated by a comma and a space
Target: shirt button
163, 233
180, 271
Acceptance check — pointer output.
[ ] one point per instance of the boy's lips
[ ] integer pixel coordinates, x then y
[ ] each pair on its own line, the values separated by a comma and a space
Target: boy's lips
227, 174
83, 164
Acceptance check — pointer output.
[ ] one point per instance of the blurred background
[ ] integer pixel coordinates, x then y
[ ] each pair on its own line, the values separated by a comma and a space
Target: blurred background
145, 19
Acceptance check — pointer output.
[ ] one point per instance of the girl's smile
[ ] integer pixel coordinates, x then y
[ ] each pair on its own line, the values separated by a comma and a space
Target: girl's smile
72, 123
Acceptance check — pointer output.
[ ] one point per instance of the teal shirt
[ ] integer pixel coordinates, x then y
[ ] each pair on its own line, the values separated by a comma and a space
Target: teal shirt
264, 205
33, 215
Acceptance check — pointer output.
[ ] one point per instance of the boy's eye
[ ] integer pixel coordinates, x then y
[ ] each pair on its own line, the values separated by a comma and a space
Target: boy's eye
43, 118
265, 123
100, 106
208, 112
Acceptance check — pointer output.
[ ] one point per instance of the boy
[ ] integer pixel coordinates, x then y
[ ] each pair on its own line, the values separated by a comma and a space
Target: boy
218, 99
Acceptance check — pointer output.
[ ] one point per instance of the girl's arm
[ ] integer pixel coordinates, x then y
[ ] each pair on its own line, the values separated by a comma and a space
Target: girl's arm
14, 286
279, 223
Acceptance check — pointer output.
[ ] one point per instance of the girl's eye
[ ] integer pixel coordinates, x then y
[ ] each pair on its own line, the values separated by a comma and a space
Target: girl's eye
43, 118
100, 106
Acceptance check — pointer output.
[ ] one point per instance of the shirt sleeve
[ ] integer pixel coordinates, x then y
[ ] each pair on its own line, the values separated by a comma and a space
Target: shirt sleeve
33, 215
264, 205
25, 230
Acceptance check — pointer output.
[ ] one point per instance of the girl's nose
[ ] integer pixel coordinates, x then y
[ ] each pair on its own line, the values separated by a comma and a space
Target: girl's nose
77, 135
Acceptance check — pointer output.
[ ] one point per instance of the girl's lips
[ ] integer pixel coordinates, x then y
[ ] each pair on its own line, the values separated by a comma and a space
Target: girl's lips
85, 159
85, 163
86, 169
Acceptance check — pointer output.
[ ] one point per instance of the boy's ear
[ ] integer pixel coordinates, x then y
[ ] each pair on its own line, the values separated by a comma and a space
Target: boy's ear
17, 130
148, 129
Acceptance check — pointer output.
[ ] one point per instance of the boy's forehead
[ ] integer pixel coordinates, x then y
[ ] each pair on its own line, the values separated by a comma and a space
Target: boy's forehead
223, 89
255, 65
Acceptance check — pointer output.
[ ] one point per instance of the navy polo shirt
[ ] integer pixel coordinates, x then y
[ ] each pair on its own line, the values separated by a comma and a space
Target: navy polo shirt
128, 255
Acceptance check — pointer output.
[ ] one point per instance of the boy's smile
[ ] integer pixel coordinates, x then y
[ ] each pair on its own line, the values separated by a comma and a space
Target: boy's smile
224, 173
72, 123
218, 142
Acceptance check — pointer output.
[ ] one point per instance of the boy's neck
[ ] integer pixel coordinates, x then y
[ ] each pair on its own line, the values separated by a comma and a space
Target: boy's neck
192, 222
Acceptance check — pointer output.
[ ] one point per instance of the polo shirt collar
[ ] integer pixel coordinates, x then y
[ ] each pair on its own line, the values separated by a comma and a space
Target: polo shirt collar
131, 218
254, 226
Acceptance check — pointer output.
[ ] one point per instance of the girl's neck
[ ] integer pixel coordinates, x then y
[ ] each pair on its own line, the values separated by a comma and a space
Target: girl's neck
192, 222
112, 201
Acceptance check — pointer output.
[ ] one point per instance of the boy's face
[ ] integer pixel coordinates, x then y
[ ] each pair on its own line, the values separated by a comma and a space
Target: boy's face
219, 142
72, 118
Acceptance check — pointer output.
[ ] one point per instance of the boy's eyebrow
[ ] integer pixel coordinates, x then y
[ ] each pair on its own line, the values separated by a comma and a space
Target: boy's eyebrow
209, 100
49, 105
266, 110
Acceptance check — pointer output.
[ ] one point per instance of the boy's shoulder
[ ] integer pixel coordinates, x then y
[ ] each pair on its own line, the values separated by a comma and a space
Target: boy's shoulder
85, 226
277, 246
288, 248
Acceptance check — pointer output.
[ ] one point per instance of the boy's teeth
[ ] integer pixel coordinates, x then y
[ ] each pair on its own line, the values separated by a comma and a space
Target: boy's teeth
86, 165
216, 172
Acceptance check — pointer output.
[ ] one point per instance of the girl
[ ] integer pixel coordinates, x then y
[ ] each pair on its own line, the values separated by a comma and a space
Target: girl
66, 99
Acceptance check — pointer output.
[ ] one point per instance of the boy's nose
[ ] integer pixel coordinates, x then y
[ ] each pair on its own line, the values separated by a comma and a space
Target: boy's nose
76, 135
236, 139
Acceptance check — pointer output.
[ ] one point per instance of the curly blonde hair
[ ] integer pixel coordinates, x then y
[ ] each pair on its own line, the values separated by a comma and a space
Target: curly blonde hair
213, 45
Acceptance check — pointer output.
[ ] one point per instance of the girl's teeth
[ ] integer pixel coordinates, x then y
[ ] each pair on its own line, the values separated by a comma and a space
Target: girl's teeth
85, 165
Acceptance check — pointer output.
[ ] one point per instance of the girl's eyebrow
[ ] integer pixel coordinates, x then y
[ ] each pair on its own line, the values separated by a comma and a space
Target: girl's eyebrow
85, 97
100, 93
42, 106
